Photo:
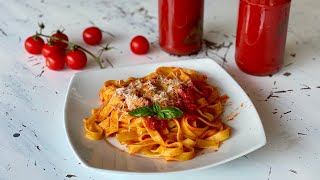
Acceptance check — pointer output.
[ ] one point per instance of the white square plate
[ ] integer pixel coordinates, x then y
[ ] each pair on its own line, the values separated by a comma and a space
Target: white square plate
247, 130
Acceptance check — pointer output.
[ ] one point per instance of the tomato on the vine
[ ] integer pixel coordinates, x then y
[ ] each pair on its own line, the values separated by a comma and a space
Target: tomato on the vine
92, 35
59, 43
55, 61
76, 59
139, 45
51, 48
33, 44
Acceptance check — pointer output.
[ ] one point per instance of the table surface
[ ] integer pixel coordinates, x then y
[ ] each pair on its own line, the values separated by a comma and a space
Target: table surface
32, 134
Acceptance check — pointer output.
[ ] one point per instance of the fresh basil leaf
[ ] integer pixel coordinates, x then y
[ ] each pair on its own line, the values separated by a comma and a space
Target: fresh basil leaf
170, 112
161, 115
165, 113
142, 111
156, 107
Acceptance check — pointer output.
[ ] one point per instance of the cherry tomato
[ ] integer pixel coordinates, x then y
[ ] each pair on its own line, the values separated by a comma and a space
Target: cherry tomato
34, 44
92, 35
62, 36
55, 61
50, 48
76, 59
139, 45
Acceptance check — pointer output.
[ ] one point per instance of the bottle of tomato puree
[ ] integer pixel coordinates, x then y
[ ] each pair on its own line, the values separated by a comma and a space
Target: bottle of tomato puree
261, 35
180, 26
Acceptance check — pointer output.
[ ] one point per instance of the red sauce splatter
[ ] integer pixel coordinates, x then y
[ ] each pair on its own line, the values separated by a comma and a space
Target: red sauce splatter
224, 98
233, 116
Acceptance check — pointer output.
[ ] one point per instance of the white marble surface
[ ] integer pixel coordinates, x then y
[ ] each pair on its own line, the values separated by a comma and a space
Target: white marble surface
32, 96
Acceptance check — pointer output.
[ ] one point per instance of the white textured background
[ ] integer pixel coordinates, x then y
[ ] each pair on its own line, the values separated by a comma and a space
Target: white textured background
32, 96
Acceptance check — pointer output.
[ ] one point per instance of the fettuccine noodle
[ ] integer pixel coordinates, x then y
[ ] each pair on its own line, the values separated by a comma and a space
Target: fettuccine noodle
178, 139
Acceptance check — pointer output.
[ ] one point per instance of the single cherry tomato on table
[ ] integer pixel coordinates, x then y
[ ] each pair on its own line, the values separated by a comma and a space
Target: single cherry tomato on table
59, 43
92, 35
33, 44
51, 48
55, 61
139, 45
76, 59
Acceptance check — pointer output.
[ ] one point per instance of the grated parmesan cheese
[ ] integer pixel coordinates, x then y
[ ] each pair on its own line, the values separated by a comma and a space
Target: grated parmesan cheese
161, 90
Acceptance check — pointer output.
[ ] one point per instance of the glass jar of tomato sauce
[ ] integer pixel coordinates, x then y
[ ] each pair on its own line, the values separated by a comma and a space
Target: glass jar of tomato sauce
261, 35
180, 26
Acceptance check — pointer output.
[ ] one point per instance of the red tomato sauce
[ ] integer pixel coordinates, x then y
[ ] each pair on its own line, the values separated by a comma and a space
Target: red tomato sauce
155, 123
261, 35
205, 90
180, 26
187, 104
191, 116
188, 100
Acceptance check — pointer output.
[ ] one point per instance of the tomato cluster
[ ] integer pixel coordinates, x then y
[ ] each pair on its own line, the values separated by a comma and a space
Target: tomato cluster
56, 51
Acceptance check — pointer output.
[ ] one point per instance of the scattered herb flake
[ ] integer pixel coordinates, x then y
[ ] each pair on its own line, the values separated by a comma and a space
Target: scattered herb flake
302, 134
293, 171
70, 176
287, 74
280, 91
16, 134
287, 112
305, 87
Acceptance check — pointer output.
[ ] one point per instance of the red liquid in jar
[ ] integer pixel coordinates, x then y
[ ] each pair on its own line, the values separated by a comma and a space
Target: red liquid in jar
180, 26
261, 35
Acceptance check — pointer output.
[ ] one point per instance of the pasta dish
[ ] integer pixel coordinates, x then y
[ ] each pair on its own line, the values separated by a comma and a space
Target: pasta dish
172, 113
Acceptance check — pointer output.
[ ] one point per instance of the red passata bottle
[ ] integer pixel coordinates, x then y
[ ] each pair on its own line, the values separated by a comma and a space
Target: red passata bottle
180, 26
261, 35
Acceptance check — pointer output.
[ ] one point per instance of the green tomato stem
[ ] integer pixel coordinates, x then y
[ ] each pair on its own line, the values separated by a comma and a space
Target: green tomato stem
97, 59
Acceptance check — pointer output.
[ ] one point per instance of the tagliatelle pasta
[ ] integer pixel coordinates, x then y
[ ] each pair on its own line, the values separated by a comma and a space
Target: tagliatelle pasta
179, 138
